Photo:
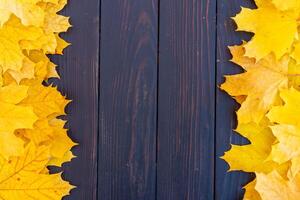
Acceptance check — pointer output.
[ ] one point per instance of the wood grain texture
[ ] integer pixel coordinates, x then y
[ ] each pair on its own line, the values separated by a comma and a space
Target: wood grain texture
228, 186
128, 95
150, 147
186, 103
79, 81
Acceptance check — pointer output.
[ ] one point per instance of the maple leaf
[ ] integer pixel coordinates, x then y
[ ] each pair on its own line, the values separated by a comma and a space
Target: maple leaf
12, 117
239, 58
44, 68
287, 147
67, 157
273, 187
287, 113
61, 45
253, 90
295, 167
275, 30
27, 10
261, 91
53, 6
287, 5
61, 142
250, 192
15, 37
296, 52
51, 133
288, 143
294, 74
55, 23
255, 154
24, 178
287, 131
45, 101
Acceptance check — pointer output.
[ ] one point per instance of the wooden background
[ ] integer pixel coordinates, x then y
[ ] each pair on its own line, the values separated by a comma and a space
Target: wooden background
147, 113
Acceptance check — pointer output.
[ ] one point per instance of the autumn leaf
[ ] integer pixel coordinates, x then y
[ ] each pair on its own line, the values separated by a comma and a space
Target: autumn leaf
287, 113
61, 142
55, 23
21, 177
250, 192
288, 137
292, 5
255, 154
45, 101
61, 44
44, 68
273, 187
16, 37
67, 157
261, 91
53, 134
275, 30
26, 10
12, 117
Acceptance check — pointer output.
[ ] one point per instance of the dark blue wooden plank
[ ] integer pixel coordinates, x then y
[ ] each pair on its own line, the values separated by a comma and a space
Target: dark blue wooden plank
128, 87
186, 103
79, 81
228, 186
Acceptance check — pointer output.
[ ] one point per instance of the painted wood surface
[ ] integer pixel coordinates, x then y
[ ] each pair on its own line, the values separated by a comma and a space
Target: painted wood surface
150, 120
128, 100
186, 101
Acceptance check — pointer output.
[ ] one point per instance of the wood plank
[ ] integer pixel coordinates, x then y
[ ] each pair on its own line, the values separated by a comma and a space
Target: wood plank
186, 103
128, 96
227, 185
79, 81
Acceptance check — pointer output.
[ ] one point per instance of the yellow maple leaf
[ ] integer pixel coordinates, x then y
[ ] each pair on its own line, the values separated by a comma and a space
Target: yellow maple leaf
274, 187
288, 137
67, 157
296, 52
50, 133
10, 145
27, 10
253, 90
293, 5
61, 44
255, 154
295, 167
15, 37
250, 192
52, 6
239, 58
61, 142
44, 68
275, 30
294, 74
56, 23
45, 101
288, 113
26, 72
261, 91
24, 177
13, 117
